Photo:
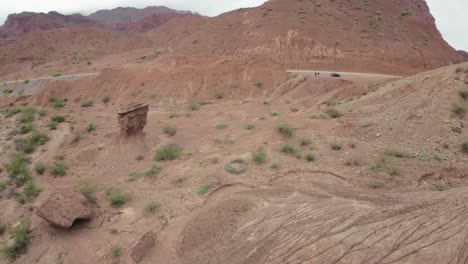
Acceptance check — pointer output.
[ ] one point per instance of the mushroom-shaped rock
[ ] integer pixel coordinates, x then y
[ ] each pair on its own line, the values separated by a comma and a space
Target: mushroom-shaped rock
63, 208
132, 118
141, 247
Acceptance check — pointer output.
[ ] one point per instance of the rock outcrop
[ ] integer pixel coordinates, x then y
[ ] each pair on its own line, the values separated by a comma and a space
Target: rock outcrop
463, 54
62, 208
132, 118
141, 247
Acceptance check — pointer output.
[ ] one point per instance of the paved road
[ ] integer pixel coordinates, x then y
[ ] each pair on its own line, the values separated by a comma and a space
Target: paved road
345, 74
30, 86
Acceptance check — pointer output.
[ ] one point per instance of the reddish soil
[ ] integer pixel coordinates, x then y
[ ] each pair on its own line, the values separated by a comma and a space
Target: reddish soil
374, 172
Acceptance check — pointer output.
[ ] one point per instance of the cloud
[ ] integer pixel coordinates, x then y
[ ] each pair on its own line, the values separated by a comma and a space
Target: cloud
450, 15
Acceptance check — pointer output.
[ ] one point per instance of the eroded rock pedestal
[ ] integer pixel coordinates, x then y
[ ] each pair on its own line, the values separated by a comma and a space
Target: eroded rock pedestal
132, 118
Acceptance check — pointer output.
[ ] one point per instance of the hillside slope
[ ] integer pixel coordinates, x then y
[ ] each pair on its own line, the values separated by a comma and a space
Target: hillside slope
397, 37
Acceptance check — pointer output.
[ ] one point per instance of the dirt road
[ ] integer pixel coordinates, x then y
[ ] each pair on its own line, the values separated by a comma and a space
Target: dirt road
346, 74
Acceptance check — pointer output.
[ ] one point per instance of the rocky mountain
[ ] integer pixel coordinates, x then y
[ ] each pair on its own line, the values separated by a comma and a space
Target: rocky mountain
123, 19
397, 37
464, 54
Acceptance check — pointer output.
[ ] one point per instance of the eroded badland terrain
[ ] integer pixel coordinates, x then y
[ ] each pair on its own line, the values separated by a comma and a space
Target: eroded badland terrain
158, 136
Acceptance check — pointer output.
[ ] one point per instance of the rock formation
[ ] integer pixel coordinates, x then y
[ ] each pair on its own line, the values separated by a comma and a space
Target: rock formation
132, 118
63, 208
141, 248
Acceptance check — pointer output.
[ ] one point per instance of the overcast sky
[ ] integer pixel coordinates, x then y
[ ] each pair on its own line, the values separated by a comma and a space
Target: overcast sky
450, 15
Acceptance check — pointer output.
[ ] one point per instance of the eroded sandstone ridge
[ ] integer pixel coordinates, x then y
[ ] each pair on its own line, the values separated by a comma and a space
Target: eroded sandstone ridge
132, 118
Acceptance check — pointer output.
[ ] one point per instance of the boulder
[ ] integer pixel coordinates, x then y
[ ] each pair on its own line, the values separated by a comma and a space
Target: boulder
141, 247
132, 118
63, 208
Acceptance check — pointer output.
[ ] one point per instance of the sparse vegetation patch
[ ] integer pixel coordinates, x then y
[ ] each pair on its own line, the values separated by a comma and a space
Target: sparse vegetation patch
168, 152
236, 166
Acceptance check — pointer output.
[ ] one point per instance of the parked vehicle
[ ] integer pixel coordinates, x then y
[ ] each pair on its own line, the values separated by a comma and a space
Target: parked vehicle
335, 74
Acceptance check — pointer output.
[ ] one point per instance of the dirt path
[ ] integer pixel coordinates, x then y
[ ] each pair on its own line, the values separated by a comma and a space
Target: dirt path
31, 86
345, 74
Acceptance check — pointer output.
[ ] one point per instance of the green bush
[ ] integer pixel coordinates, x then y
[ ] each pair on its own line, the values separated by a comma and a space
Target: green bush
58, 118
458, 109
87, 189
275, 165
317, 116
376, 167
106, 99
396, 154
18, 169
203, 189
57, 103
463, 94
168, 152
221, 126
21, 235
440, 186
40, 168
116, 251
333, 113
58, 169
9, 112
153, 171
310, 157
170, 131
25, 128
30, 192
90, 128
56, 74
236, 166
52, 125
336, 145
88, 103
249, 127
193, 105
259, 156
305, 142
117, 197
288, 148
76, 138
3, 228
464, 147
29, 144
27, 115
151, 207
285, 130
275, 113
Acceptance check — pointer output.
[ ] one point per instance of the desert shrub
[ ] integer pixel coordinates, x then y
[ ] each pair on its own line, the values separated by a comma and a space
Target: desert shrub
294, 110
458, 109
18, 169
396, 154
463, 94
56, 74
58, 169
259, 156
42, 112
203, 189
336, 145
249, 127
116, 251
288, 148
374, 184
88, 103
117, 197
310, 157
25, 128
285, 130
75, 138
259, 84
3, 228
168, 152
7, 91
236, 166
275, 165
317, 116
193, 105
9, 112
52, 125
440, 186
407, 12
106, 99
90, 128
30, 192
153, 171
333, 113
376, 167
39, 168
58, 118
27, 115
220, 95
20, 235
87, 189
151, 207
29, 144
305, 142
464, 147
275, 113
57, 103
353, 161
170, 131
221, 126
393, 170
331, 102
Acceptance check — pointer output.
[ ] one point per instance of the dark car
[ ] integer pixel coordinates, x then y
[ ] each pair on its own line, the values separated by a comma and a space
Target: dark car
335, 74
